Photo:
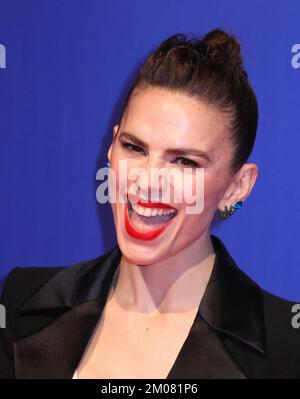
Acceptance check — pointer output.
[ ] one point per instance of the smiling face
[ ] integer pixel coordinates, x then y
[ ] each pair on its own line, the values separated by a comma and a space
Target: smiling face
155, 123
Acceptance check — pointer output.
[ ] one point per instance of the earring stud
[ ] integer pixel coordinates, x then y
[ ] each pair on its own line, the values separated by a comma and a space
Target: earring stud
228, 212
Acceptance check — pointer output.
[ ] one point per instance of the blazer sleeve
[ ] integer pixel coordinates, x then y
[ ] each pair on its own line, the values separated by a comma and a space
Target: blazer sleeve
8, 299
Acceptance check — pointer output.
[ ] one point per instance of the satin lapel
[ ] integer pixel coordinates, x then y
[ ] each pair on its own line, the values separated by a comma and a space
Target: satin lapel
55, 351
54, 324
233, 303
232, 307
204, 356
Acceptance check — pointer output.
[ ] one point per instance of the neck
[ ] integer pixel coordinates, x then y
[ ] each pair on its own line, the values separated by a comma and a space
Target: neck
176, 284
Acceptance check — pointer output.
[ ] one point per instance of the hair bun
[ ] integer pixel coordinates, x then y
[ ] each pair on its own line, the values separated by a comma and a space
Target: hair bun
223, 49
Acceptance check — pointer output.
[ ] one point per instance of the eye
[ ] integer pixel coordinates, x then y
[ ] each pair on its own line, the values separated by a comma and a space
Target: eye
132, 147
188, 162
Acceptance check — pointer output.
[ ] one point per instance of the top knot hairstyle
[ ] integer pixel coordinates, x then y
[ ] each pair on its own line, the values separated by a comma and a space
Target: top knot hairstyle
209, 69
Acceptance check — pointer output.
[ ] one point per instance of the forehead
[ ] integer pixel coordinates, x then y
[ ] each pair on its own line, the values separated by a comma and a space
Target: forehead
159, 117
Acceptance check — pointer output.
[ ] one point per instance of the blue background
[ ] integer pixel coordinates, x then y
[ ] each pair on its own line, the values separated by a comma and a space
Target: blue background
69, 65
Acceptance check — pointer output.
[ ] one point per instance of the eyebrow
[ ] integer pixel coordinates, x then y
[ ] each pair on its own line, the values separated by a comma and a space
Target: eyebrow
175, 151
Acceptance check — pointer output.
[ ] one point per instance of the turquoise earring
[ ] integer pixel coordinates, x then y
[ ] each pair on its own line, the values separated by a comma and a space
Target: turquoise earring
228, 212
107, 165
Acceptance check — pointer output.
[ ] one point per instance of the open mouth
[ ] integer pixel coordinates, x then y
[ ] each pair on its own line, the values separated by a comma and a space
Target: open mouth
146, 218
147, 222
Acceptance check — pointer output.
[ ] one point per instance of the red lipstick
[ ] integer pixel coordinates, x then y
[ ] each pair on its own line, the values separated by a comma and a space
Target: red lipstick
149, 235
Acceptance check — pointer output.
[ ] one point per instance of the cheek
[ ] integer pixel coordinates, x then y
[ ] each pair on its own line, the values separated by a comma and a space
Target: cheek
201, 191
191, 187
214, 188
187, 186
122, 182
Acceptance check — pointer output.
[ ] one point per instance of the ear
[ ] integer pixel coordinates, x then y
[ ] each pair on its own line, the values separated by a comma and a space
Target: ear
115, 131
240, 186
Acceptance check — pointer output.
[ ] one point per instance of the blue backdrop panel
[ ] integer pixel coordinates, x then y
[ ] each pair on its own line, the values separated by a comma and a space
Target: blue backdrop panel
63, 75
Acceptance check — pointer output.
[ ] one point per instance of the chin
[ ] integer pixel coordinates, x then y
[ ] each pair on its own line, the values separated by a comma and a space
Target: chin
143, 254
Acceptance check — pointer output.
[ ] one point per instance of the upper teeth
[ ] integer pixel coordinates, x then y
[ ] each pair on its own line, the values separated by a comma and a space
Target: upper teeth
141, 210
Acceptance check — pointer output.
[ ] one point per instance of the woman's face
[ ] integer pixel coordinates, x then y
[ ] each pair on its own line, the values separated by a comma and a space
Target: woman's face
156, 121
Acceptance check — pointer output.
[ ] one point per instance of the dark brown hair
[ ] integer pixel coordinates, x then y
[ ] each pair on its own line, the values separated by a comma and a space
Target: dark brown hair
209, 69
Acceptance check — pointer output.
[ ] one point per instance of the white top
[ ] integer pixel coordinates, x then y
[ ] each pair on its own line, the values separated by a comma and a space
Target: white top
114, 281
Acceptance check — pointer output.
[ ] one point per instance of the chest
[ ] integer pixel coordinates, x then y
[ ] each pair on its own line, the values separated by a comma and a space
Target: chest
133, 345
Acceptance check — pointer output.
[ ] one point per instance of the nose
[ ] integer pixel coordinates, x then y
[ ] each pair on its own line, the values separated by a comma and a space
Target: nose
148, 181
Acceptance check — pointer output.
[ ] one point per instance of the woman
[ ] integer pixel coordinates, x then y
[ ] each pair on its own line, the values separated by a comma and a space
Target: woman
168, 301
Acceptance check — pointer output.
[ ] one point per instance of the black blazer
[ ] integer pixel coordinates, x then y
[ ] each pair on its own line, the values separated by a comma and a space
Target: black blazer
240, 331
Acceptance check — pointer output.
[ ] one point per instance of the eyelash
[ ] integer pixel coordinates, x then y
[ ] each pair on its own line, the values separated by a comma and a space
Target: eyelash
135, 148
